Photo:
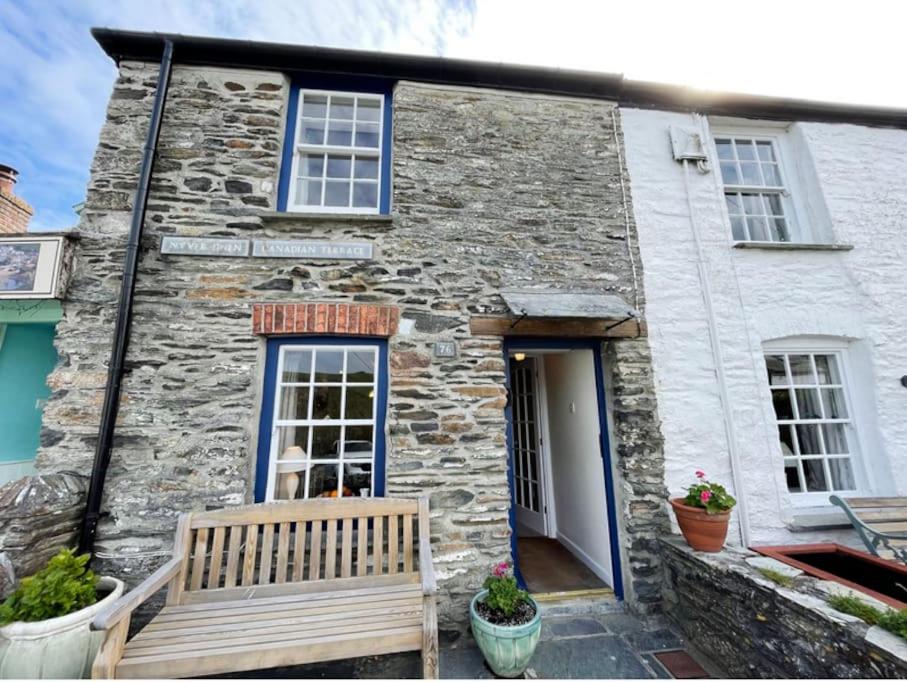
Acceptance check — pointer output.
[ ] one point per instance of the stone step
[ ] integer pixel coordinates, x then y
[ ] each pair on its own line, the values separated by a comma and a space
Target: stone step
571, 603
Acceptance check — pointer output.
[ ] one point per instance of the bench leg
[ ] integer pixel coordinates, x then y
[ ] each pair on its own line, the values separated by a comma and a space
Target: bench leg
429, 637
111, 650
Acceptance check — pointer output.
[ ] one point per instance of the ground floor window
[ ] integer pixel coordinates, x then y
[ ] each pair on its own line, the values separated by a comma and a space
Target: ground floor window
323, 419
814, 418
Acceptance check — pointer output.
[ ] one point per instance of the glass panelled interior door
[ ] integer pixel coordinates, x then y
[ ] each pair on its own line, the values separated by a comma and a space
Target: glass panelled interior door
527, 474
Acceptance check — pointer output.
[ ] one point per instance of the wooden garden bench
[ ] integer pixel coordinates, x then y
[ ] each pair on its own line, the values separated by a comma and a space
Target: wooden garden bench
880, 522
280, 584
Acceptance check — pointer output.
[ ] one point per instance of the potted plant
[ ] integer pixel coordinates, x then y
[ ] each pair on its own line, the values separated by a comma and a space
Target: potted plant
703, 514
506, 623
44, 624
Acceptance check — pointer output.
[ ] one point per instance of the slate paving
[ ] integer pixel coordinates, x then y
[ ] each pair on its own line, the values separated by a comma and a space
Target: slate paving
612, 645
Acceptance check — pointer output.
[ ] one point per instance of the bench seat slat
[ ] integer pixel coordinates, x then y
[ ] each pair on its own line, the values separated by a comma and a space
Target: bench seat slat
890, 502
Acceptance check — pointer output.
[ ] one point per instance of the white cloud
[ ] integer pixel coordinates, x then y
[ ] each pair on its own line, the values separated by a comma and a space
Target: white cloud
55, 91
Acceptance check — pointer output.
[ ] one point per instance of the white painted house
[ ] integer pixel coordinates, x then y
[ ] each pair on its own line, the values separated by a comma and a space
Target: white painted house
776, 285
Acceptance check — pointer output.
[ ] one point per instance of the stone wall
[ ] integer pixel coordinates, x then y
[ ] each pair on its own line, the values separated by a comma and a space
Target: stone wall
753, 628
491, 190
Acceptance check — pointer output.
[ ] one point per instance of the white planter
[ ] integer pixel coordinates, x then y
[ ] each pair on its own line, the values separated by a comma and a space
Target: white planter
63, 647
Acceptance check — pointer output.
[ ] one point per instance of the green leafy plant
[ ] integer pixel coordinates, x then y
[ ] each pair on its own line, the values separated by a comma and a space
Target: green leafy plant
503, 593
712, 497
777, 577
891, 620
64, 586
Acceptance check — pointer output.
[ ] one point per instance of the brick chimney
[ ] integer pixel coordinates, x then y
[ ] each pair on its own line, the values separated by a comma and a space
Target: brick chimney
15, 212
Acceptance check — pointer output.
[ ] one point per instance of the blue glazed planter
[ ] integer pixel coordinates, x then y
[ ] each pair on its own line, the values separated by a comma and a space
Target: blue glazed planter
507, 649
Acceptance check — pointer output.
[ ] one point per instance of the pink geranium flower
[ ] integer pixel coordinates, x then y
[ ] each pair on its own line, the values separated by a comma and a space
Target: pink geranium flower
700, 474
704, 496
500, 569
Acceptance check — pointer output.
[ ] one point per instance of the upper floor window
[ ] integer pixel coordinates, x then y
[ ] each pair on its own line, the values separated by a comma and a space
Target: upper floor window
815, 422
754, 188
338, 162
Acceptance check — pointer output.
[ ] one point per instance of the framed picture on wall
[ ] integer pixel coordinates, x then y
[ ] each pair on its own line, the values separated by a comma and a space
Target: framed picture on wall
30, 267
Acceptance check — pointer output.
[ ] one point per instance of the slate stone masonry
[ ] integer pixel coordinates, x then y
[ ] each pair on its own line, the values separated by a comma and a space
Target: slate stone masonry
490, 190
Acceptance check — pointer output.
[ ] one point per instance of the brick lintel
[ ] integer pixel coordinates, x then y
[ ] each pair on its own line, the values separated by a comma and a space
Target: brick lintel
325, 318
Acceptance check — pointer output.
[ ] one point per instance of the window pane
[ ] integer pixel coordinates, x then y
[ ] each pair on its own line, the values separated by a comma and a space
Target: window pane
337, 194
289, 484
833, 402
365, 194
801, 370
357, 478
757, 229
340, 133
313, 165
781, 401
339, 166
738, 229
773, 205
752, 205
827, 367
368, 110
835, 439
765, 150
750, 174
313, 131
308, 192
772, 177
294, 403
787, 440
328, 366
724, 149
341, 107
325, 440
808, 404
323, 481
314, 106
297, 364
776, 372
326, 403
778, 230
367, 135
366, 168
745, 150
360, 366
841, 474
793, 476
814, 472
359, 441
729, 174
359, 403
808, 437
292, 445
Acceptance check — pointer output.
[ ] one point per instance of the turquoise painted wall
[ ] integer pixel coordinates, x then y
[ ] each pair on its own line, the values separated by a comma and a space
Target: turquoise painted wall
26, 358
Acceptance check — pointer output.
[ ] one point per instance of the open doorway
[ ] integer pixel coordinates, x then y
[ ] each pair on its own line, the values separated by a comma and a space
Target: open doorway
561, 484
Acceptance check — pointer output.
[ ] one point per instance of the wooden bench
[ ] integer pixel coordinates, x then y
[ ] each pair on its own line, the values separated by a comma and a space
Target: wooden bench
281, 584
880, 522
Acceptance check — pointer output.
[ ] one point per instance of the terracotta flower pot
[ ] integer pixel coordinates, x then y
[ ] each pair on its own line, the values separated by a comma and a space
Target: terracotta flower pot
701, 530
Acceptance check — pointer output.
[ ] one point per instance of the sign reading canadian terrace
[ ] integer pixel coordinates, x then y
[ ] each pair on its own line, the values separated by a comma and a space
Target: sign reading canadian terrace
299, 249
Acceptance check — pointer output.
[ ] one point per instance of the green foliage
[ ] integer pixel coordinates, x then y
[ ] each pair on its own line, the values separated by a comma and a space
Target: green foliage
713, 497
889, 619
777, 577
503, 593
64, 586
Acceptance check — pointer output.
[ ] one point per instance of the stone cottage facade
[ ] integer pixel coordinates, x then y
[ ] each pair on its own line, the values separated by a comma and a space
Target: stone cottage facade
818, 307
491, 190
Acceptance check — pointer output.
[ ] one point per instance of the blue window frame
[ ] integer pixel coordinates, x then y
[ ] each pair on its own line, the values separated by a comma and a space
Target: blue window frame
321, 431
337, 146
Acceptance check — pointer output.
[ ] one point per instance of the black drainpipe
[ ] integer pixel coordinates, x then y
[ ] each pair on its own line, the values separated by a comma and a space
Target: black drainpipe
124, 313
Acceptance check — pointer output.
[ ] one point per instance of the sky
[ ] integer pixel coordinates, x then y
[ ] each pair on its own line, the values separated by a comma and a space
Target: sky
55, 81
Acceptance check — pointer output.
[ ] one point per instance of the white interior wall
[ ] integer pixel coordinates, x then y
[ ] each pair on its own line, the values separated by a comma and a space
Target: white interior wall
578, 489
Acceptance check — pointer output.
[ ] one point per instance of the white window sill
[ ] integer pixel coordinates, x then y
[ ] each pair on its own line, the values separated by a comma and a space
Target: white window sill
818, 518
298, 216
792, 246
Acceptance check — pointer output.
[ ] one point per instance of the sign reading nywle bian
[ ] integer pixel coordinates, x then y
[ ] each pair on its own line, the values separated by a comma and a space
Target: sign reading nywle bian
299, 249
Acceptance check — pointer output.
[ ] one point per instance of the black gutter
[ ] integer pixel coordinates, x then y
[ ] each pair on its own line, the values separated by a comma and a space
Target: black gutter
124, 311
202, 51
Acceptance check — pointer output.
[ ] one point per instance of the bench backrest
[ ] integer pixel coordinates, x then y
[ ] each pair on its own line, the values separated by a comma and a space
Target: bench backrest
298, 546
882, 514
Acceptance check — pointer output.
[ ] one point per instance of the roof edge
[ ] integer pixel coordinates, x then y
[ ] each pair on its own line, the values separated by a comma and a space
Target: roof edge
122, 45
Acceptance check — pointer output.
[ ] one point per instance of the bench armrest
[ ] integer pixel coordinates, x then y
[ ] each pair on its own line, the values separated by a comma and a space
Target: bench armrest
427, 568
123, 607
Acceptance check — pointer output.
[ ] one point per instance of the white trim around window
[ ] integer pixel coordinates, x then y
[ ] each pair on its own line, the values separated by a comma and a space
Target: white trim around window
337, 148
818, 430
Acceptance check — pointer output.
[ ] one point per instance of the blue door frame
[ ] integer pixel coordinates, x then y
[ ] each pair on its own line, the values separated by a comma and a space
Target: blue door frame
267, 403
594, 345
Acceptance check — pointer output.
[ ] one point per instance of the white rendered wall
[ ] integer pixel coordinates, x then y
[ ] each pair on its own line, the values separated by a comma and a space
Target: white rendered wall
858, 297
576, 460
